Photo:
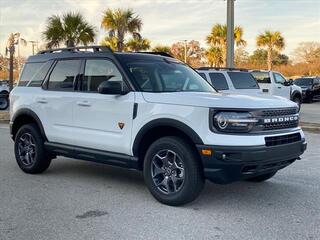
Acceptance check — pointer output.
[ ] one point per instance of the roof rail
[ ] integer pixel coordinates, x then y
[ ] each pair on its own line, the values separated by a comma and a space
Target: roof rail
158, 53
75, 49
223, 68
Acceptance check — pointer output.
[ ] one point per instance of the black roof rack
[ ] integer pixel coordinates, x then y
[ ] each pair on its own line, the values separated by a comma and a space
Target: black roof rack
223, 68
75, 49
158, 53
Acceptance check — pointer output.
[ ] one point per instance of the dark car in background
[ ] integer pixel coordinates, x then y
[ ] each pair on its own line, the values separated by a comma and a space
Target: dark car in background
310, 88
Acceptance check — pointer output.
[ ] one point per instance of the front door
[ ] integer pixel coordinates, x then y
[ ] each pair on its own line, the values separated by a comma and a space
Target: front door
102, 121
279, 88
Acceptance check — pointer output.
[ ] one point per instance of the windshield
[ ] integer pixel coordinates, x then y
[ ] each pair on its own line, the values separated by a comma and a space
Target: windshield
303, 81
243, 80
167, 76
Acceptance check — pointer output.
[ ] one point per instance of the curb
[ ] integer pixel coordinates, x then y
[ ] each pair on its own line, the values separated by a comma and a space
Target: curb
4, 116
310, 126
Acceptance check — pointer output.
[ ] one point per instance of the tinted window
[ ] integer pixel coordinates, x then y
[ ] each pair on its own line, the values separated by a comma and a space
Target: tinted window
218, 81
203, 76
98, 71
261, 77
33, 74
278, 78
303, 81
243, 80
165, 76
63, 75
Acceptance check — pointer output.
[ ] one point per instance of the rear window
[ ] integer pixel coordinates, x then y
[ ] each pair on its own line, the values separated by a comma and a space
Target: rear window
261, 77
34, 73
218, 81
243, 80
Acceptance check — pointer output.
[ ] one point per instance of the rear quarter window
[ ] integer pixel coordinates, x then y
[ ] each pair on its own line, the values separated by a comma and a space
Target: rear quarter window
34, 73
261, 77
218, 81
243, 80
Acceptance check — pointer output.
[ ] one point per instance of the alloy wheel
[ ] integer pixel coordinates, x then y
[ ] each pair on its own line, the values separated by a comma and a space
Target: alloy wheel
27, 149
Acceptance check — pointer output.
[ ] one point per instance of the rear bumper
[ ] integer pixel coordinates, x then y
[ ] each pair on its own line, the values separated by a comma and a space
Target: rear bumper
230, 163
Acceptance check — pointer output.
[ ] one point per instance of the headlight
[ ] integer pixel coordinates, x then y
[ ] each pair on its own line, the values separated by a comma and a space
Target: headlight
233, 122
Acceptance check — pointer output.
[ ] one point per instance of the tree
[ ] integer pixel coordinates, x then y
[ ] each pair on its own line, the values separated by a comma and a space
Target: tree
214, 56
218, 38
260, 58
308, 52
272, 41
241, 56
191, 49
119, 23
111, 42
71, 29
162, 48
137, 45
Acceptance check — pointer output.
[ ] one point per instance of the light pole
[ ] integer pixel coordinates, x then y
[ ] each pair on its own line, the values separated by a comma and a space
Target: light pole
34, 44
185, 50
230, 33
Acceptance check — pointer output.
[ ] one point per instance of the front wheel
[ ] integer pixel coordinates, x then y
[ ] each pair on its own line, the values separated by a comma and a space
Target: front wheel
29, 150
172, 171
261, 178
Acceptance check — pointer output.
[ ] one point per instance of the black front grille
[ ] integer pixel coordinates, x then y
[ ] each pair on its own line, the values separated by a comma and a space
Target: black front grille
279, 112
277, 126
284, 139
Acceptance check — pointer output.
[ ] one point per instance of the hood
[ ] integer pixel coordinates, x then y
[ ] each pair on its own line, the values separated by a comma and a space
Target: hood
218, 100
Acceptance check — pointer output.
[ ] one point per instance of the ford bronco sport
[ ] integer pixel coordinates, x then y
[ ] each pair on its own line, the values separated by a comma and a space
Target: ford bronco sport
148, 112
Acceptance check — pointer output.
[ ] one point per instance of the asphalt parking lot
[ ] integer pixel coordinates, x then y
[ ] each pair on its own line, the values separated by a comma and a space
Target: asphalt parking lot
82, 200
310, 112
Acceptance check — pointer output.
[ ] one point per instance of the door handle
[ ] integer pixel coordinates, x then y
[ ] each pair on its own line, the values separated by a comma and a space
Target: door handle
84, 104
279, 87
42, 100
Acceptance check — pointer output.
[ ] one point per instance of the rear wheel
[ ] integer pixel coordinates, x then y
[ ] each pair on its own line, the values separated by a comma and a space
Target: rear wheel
4, 102
29, 150
172, 171
261, 178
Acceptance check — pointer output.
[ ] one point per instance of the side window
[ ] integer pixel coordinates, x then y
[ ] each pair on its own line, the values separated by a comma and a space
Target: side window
34, 73
218, 81
98, 71
261, 77
203, 76
278, 78
63, 75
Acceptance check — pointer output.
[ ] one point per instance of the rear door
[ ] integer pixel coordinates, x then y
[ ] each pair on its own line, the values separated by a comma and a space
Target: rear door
55, 101
102, 121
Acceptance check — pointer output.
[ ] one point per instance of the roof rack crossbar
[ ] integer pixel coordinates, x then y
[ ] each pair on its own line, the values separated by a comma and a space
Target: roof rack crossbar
223, 68
74, 49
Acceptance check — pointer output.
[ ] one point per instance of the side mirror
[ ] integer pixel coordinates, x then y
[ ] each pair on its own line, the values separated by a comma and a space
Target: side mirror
111, 87
288, 83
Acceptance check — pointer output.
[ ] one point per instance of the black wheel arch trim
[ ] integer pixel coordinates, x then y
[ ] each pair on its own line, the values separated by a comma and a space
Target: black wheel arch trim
30, 113
296, 94
165, 122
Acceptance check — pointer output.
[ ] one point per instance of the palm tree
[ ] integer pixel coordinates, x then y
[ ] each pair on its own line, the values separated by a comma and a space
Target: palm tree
119, 23
111, 42
162, 48
214, 56
136, 45
272, 41
71, 29
218, 38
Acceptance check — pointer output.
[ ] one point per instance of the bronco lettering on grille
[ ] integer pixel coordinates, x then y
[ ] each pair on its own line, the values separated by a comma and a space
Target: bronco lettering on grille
281, 119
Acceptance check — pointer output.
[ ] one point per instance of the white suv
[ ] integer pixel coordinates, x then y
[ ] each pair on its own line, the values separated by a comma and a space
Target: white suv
251, 82
151, 113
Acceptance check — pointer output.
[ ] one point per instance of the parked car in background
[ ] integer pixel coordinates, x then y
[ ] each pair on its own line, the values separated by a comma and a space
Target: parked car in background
310, 88
274, 83
231, 80
248, 82
4, 95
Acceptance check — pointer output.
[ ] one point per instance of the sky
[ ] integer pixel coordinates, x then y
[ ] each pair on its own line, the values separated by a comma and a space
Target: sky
169, 21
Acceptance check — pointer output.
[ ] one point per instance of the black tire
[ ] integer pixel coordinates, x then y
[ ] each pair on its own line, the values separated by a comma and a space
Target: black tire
38, 159
4, 102
193, 179
298, 101
261, 178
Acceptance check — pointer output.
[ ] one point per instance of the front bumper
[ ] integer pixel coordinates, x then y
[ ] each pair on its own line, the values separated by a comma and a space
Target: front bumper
232, 163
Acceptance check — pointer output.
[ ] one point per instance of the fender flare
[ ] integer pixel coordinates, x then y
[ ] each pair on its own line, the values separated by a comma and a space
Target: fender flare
164, 122
30, 113
295, 93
